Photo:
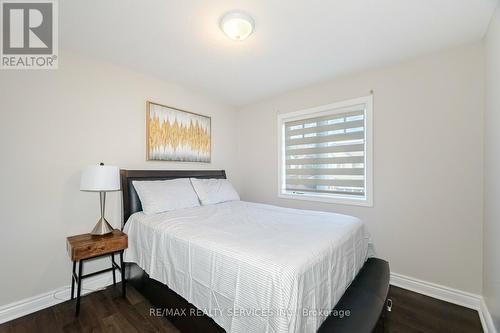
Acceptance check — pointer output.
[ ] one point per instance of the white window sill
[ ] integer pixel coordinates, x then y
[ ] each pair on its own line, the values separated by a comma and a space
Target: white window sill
338, 200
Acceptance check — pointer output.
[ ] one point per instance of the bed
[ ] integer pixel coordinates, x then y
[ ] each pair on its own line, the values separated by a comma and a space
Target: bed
244, 267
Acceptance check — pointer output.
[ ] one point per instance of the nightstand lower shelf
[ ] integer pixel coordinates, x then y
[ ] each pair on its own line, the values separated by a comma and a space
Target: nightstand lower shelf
77, 278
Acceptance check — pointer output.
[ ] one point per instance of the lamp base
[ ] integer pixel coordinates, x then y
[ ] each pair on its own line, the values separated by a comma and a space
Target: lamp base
102, 227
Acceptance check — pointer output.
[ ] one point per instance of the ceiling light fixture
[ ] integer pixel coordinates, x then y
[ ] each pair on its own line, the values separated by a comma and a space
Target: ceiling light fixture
237, 25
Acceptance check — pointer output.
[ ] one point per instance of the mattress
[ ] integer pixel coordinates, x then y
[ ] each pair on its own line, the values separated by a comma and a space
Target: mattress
252, 267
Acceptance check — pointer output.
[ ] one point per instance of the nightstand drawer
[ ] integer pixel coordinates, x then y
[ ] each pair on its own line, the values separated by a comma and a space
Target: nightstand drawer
88, 246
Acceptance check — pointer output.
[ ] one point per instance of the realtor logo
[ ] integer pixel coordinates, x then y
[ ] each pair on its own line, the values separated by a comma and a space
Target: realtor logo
29, 34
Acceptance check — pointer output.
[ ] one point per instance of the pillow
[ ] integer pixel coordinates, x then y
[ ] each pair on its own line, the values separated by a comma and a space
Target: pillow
159, 196
212, 191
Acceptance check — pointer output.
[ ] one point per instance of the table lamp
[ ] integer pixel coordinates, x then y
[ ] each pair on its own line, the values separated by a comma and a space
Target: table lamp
101, 178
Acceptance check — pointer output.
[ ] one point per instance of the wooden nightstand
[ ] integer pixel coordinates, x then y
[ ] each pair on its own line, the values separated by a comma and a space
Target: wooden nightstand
87, 246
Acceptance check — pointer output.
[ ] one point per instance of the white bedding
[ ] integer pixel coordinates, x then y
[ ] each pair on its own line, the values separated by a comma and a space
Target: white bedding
252, 267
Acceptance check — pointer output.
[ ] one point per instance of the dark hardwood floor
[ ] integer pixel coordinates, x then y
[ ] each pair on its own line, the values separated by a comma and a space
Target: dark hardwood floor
102, 311
107, 311
412, 312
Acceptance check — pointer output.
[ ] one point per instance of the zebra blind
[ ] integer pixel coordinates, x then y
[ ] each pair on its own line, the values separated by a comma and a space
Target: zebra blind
324, 155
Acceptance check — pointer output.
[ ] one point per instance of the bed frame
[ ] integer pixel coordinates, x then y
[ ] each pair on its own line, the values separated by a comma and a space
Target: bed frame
365, 298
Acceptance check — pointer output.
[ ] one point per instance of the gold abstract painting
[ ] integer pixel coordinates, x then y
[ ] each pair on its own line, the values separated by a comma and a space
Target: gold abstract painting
177, 135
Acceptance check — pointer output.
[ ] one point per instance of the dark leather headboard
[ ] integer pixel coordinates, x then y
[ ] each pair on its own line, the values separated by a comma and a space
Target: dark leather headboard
131, 202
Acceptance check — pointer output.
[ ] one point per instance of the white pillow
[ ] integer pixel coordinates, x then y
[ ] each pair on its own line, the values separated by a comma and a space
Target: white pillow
212, 191
159, 196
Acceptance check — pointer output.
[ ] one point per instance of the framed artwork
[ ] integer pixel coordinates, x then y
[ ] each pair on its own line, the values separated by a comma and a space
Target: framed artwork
177, 135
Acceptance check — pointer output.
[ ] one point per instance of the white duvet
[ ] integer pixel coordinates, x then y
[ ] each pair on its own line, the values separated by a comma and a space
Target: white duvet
252, 267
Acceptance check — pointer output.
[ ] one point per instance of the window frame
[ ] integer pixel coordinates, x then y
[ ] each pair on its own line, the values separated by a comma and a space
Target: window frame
367, 200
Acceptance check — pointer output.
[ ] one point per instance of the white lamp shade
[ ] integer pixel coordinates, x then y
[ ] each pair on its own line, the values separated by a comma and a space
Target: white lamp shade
100, 178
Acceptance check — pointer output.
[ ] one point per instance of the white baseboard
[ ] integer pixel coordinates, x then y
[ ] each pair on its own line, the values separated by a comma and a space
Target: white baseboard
486, 319
455, 296
447, 294
32, 304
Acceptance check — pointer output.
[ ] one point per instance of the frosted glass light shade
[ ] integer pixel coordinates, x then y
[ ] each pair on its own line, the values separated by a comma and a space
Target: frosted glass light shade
100, 178
237, 25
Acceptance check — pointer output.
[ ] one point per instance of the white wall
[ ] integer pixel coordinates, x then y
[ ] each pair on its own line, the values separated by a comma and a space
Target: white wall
53, 123
428, 161
491, 289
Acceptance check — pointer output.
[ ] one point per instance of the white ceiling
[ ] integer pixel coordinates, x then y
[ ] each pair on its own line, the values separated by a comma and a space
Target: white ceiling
295, 43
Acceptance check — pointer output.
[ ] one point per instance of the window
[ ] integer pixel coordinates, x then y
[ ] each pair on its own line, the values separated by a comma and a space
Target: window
326, 153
